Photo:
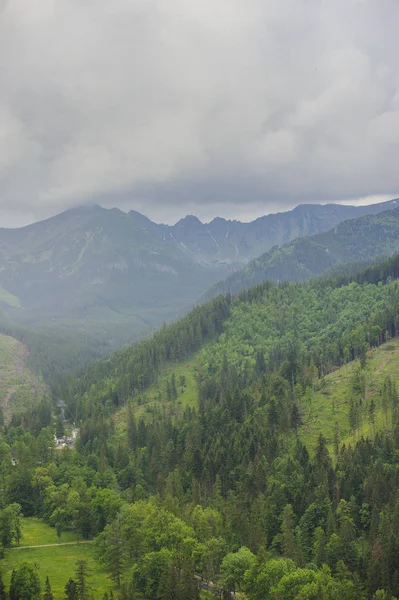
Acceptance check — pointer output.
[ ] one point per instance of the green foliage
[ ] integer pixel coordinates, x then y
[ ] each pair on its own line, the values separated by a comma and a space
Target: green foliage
25, 583
48, 594
239, 489
234, 567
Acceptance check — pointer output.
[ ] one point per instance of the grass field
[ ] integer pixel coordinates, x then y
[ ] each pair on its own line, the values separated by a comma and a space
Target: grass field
58, 563
37, 533
331, 406
19, 387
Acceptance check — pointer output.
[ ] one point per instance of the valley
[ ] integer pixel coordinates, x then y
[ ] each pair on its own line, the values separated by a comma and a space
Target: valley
250, 445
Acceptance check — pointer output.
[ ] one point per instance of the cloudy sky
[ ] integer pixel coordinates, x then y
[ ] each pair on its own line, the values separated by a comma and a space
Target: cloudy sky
229, 107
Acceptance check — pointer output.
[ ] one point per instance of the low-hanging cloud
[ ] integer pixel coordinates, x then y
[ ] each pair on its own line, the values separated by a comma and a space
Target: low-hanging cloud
216, 106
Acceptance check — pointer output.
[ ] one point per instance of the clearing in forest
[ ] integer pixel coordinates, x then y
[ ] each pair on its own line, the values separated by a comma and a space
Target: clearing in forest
328, 409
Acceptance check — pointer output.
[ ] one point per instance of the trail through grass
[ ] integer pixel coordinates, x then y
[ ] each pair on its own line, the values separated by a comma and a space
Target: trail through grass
37, 533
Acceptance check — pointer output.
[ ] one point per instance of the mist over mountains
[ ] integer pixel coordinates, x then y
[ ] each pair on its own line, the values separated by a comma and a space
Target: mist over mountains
351, 243
120, 275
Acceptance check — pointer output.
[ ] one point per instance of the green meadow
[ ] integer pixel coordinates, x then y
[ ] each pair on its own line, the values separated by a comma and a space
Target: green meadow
328, 409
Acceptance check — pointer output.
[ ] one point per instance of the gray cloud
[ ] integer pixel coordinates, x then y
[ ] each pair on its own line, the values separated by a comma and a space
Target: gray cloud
235, 107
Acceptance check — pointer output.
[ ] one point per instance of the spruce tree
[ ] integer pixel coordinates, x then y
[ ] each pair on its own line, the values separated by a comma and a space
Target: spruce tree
71, 590
173, 389
48, 595
287, 533
131, 429
82, 574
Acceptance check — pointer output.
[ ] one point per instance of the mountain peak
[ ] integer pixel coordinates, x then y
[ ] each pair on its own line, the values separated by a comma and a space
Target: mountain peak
84, 209
190, 220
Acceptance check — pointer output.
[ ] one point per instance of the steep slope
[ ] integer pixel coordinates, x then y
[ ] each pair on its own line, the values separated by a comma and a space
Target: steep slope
270, 328
19, 387
328, 410
96, 264
237, 243
357, 240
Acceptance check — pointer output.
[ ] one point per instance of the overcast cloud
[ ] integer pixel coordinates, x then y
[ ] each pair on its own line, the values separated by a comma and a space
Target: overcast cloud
230, 107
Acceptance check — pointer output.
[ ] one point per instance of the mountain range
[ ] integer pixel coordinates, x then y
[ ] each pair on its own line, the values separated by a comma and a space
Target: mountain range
235, 243
351, 242
118, 275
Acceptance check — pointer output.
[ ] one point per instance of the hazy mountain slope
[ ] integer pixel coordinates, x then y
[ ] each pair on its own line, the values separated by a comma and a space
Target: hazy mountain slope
19, 387
96, 263
362, 239
235, 242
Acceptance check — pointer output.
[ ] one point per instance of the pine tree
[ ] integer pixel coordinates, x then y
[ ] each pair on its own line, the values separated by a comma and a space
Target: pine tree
25, 583
173, 389
82, 574
295, 417
12, 591
131, 429
71, 590
319, 547
168, 391
112, 550
336, 439
372, 414
287, 533
48, 595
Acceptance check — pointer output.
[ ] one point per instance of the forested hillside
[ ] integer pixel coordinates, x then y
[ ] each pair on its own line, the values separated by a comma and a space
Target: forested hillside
251, 446
358, 240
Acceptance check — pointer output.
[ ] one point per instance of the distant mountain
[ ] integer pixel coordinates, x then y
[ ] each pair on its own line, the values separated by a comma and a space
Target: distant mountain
116, 276
235, 243
93, 263
356, 240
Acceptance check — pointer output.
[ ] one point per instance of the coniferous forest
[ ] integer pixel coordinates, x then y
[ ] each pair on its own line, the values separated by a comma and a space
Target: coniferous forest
227, 493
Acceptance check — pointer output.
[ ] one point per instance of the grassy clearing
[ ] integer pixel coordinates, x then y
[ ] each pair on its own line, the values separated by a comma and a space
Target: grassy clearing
37, 533
58, 563
328, 409
19, 387
9, 298
330, 406
155, 398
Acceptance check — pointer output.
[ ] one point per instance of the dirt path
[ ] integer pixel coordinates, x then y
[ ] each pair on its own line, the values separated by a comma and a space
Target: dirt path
52, 545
